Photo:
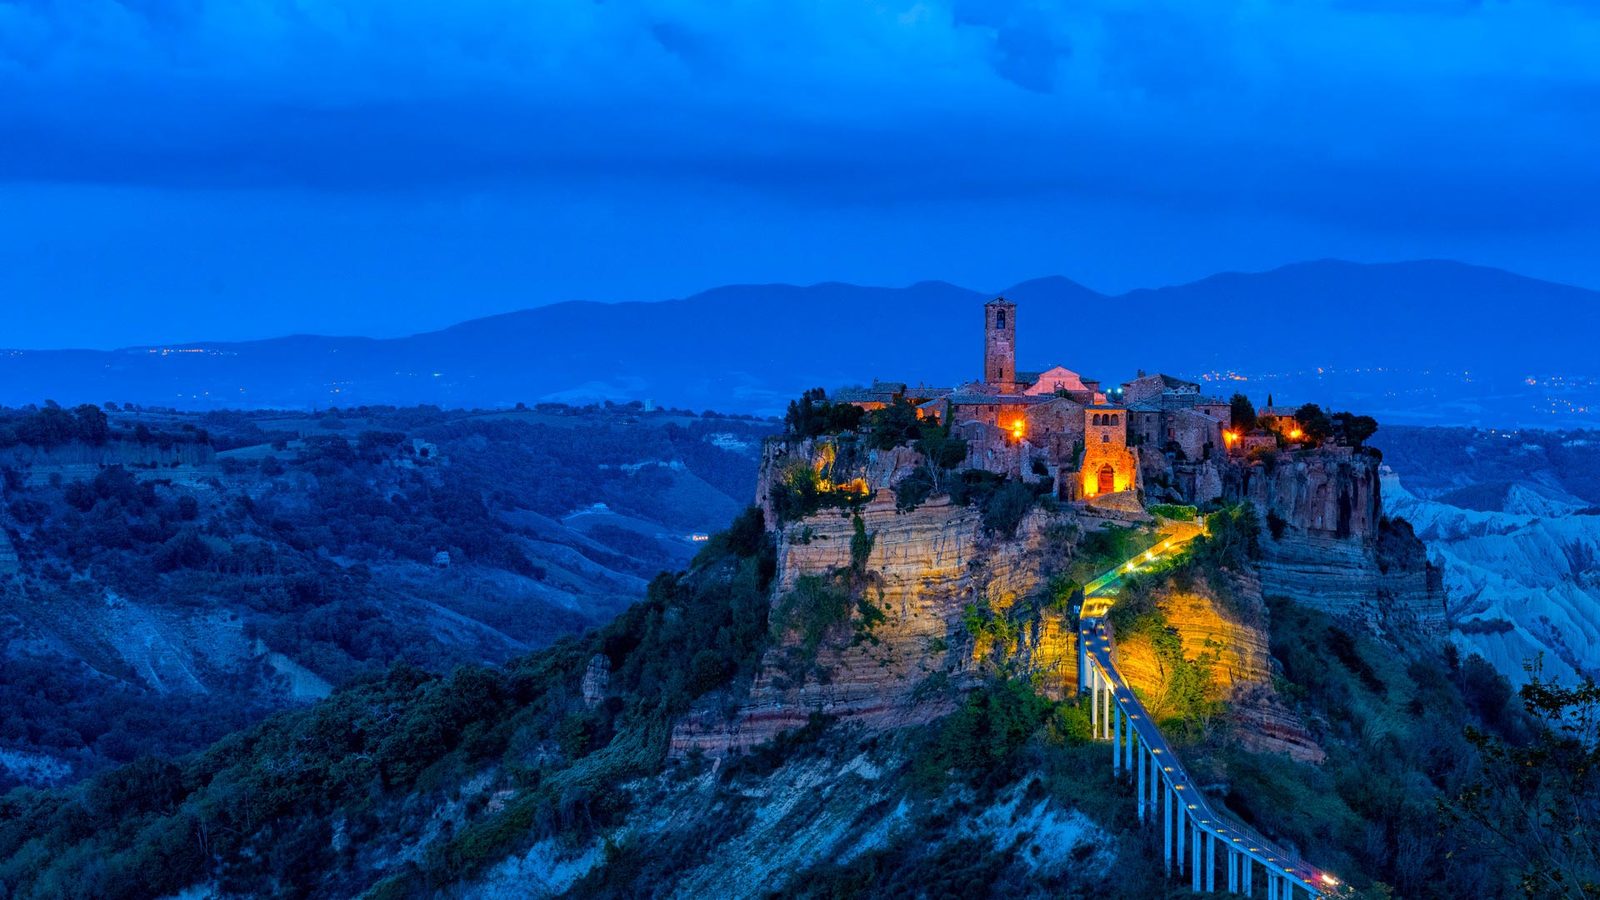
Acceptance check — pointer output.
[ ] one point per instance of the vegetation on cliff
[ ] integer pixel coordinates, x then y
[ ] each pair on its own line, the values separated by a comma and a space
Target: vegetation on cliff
1396, 725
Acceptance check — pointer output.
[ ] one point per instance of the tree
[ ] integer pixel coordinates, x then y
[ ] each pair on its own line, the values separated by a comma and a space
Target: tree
90, 424
1353, 429
1314, 422
814, 414
1244, 412
1535, 804
894, 425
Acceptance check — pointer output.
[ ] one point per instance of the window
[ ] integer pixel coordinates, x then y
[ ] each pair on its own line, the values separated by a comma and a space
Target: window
1000, 320
1105, 437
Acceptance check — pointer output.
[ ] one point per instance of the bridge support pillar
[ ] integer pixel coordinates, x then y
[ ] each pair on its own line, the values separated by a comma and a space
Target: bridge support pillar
1155, 779
1182, 826
1140, 762
1195, 864
1233, 871
1211, 862
1094, 703
1107, 708
1249, 874
1167, 812
1116, 734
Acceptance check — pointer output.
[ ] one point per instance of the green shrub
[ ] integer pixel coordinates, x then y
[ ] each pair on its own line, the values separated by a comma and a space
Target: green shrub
815, 606
982, 741
1175, 512
1007, 507
913, 490
939, 449
814, 415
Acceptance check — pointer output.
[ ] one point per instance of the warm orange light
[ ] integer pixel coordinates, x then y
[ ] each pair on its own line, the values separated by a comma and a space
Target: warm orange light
1018, 429
1295, 433
1230, 437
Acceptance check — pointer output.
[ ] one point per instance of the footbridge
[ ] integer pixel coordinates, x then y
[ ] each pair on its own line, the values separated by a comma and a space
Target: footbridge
1196, 839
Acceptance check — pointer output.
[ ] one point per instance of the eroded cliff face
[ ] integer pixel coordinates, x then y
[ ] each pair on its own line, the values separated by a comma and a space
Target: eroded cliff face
79, 460
1326, 544
958, 603
925, 568
1230, 636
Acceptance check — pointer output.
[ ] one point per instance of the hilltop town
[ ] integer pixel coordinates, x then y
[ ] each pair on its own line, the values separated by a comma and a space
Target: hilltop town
1154, 438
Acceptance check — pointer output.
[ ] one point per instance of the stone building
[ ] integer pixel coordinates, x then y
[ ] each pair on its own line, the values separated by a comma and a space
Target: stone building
885, 393
1145, 387
1109, 465
1053, 421
1000, 345
1280, 420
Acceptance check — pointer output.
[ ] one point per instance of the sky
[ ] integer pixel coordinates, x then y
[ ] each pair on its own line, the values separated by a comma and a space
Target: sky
176, 170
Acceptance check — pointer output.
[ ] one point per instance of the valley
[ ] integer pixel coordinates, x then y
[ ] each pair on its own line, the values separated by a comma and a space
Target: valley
168, 577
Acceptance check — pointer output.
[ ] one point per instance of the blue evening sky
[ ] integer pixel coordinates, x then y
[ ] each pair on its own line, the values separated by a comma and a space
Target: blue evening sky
187, 169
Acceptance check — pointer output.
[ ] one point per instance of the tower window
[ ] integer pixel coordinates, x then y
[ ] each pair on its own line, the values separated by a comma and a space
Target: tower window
1000, 320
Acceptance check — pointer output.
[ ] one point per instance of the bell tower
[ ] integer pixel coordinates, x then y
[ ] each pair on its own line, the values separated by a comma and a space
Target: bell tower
1000, 344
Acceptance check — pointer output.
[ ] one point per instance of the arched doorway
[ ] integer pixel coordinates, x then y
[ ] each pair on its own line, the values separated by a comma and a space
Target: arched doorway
1108, 480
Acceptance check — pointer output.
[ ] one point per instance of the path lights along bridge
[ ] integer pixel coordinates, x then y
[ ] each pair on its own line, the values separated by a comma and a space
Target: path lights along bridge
1194, 836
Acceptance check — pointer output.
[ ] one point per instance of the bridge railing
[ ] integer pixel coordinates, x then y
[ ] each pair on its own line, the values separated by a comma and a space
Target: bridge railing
1223, 827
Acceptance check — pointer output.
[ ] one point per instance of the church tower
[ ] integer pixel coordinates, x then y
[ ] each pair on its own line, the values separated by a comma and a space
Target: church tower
1000, 344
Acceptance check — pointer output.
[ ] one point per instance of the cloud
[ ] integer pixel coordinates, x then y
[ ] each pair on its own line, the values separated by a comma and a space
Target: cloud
1431, 114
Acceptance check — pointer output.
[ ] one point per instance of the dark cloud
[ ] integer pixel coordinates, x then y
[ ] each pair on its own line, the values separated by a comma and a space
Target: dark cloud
1434, 124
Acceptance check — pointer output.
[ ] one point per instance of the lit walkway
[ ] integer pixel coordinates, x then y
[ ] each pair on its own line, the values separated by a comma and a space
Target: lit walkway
1163, 789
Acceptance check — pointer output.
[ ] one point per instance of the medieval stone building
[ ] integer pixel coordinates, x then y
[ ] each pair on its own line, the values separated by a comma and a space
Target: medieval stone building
1057, 423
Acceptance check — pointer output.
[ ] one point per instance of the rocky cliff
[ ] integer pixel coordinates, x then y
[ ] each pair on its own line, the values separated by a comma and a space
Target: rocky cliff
1327, 544
958, 603
925, 569
80, 460
1229, 634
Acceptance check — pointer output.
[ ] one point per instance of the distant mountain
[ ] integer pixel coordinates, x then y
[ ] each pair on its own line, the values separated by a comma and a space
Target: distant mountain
1428, 341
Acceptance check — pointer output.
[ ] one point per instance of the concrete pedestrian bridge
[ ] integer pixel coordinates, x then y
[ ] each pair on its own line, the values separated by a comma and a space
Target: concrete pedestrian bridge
1195, 837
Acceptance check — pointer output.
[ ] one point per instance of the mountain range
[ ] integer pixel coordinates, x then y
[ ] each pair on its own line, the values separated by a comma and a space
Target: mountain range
1423, 342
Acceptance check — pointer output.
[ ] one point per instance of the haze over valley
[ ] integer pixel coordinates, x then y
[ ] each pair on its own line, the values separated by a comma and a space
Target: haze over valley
1367, 336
